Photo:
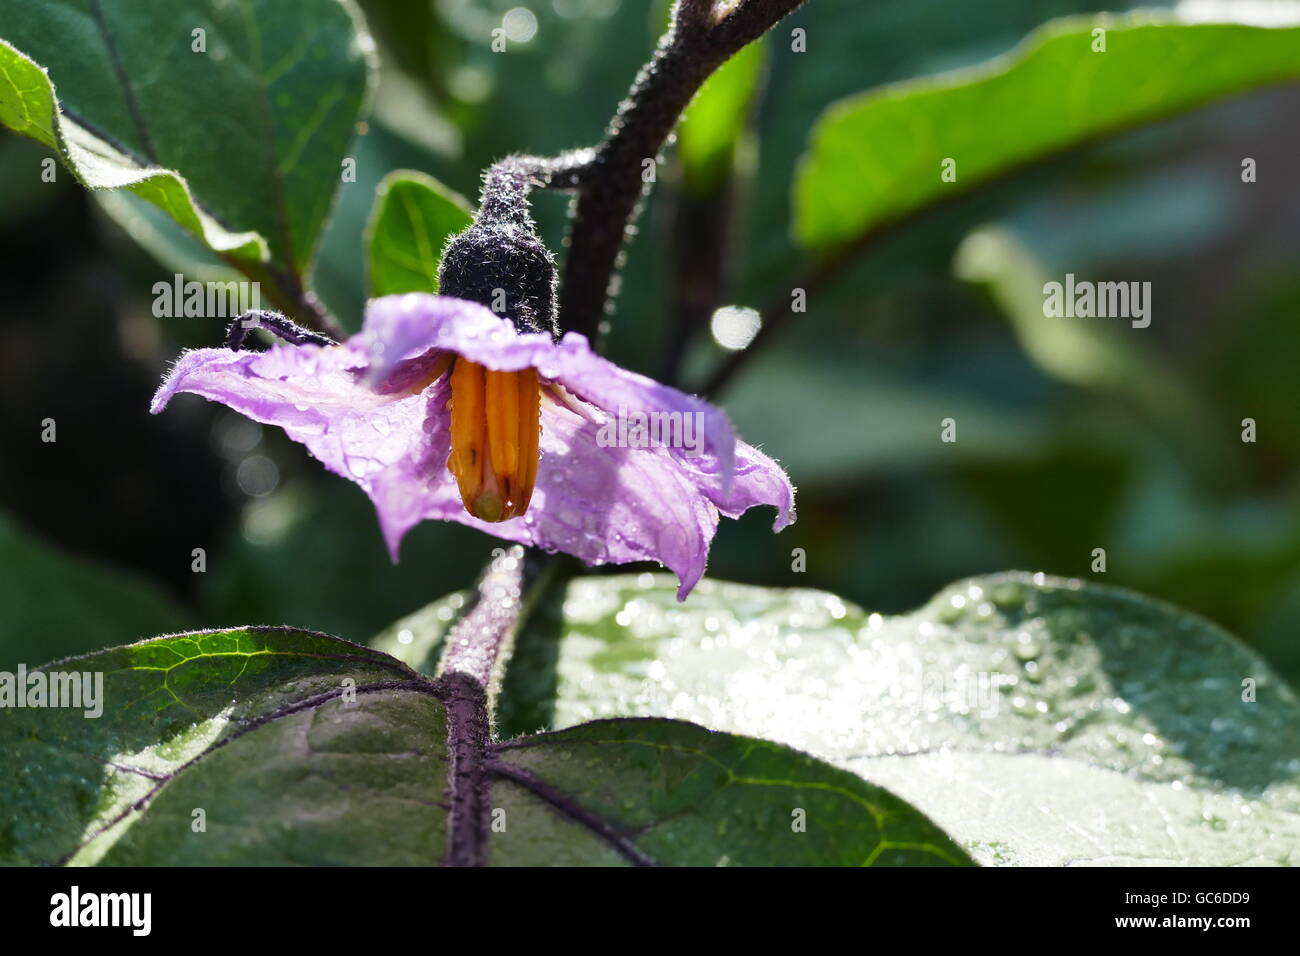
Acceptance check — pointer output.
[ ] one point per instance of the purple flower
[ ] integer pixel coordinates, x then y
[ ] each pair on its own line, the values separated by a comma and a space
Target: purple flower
624, 468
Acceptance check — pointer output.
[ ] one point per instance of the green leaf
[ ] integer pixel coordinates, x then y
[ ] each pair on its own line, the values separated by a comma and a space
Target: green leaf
241, 144
698, 798
28, 105
1036, 720
413, 217
276, 746
714, 123
56, 605
877, 157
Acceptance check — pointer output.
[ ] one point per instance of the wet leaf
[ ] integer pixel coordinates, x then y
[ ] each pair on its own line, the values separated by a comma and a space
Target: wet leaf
274, 746
1036, 720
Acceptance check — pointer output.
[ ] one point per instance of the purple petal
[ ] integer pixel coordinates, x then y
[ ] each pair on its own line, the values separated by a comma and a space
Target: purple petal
602, 505
366, 411
408, 325
316, 395
616, 505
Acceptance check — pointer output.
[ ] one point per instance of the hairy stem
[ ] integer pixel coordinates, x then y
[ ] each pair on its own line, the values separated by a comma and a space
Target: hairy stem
609, 181
468, 785
507, 183
286, 292
480, 641
702, 37
468, 676
311, 312
500, 261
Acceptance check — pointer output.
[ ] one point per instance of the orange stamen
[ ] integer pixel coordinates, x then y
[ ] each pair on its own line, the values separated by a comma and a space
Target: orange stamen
495, 423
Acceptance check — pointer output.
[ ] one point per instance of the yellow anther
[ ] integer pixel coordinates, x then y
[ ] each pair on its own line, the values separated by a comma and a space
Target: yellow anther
495, 425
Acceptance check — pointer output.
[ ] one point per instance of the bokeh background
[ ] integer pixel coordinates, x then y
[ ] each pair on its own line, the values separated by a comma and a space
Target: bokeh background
1138, 453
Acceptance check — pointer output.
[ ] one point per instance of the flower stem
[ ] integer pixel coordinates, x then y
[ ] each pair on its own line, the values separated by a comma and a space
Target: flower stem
609, 182
500, 261
507, 183
480, 641
702, 36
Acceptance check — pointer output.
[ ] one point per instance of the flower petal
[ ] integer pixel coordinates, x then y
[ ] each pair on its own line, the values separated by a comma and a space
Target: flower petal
602, 505
316, 395
375, 411
616, 505
742, 477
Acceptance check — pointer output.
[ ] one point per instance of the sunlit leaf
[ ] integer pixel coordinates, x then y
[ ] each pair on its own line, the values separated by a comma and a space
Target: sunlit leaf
413, 217
277, 746
234, 118
878, 157
1037, 720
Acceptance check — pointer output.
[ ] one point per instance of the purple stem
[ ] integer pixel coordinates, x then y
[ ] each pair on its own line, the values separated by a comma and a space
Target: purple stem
702, 37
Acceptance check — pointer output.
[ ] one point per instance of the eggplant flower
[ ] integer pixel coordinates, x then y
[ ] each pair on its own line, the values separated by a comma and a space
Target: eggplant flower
439, 408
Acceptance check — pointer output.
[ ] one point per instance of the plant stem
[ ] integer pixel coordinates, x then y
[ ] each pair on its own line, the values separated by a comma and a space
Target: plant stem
480, 641
468, 674
286, 292
311, 312
703, 35
507, 183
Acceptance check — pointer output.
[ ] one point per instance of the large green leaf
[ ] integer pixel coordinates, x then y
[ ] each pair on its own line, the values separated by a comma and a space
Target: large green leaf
413, 217
875, 158
276, 746
1037, 720
241, 144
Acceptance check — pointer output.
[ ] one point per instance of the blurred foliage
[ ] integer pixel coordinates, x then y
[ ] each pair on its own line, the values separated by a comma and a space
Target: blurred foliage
1055, 456
311, 555
56, 605
715, 124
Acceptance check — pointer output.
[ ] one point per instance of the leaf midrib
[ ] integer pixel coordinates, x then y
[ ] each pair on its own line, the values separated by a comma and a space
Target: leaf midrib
489, 767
